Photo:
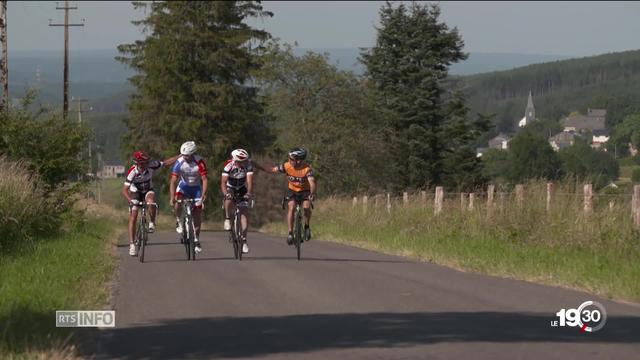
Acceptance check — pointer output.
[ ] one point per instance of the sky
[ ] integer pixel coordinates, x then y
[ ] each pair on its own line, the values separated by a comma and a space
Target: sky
559, 28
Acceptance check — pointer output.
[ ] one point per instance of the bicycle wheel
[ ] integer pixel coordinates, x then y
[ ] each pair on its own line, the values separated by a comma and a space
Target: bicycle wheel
237, 229
192, 238
185, 237
143, 239
138, 239
298, 231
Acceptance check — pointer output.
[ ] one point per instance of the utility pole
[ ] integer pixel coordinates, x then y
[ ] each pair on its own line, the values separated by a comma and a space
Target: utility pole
80, 101
4, 69
66, 8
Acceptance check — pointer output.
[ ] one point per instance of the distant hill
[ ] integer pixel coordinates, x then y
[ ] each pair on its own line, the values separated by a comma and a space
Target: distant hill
95, 74
347, 59
610, 81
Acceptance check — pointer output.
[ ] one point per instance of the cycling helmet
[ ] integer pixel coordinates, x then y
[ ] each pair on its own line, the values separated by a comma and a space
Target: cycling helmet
139, 156
188, 148
239, 155
298, 153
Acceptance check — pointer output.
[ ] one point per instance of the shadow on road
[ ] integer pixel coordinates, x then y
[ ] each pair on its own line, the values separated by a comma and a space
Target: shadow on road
257, 336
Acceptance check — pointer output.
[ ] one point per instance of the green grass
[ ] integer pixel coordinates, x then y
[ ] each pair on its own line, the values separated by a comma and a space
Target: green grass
599, 253
63, 272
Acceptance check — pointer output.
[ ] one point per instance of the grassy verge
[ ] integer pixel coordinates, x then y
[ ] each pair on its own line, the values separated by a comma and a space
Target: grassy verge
68, 271
599, 253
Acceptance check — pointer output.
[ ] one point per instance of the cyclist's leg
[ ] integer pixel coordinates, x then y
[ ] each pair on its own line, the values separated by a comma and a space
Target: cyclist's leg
133, 215
291, 205
228, 211
306, 204
177, 209
197, 210
150, 198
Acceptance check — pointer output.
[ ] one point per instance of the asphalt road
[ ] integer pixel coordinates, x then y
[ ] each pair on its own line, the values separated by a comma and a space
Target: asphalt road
340, 303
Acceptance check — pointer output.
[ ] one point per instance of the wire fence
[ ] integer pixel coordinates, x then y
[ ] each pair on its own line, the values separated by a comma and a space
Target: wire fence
550, 198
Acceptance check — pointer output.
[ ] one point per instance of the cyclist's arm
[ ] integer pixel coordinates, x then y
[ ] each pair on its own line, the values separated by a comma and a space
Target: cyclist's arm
223, 184
271, 170
168, 162
172, 188
125, 192
312, 185
250, 183
204, 187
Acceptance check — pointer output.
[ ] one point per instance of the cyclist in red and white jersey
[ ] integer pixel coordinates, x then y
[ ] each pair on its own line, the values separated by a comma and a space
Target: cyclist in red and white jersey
237, 180
138, 187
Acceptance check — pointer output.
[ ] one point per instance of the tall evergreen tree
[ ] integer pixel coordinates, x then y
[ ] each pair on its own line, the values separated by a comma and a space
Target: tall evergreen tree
193, 77
407, 66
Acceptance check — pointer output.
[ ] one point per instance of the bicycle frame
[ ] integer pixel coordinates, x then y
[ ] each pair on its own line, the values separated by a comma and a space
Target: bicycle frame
297, 222
235, 234
188, 227
142, 230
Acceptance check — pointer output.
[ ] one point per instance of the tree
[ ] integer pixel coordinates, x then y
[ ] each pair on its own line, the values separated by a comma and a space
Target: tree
193, 78
628, 131
329, 112
531, 157
407, 67
583, 162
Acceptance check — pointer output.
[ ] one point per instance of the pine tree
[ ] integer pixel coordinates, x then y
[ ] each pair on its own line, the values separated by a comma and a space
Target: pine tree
193, 78
407, 66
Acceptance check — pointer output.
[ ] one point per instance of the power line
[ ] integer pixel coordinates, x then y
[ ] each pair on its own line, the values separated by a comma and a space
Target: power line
66, 8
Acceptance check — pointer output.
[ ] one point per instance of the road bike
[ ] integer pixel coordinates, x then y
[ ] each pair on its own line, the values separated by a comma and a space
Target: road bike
188, 236
142, 230
235, 234
298, 212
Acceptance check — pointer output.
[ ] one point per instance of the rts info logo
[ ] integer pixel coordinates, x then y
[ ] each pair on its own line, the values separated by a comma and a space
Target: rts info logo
590, 316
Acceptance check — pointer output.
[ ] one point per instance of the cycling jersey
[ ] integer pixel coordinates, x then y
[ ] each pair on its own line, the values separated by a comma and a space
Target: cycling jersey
190, 173
237, 176
140, 181
298, 178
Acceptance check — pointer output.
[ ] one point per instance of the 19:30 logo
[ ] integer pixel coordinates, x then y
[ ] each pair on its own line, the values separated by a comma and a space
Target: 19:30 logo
590, 316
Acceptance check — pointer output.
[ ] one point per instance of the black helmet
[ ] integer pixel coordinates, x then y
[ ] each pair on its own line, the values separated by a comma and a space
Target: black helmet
298, 153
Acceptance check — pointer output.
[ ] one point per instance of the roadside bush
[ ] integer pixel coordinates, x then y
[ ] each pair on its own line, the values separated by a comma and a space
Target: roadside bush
24, 208
635, 175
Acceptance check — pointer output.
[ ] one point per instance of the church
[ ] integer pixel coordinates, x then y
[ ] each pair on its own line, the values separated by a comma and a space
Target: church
529, 113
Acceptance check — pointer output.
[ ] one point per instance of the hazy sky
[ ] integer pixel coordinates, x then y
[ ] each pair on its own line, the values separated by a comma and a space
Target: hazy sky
562, 28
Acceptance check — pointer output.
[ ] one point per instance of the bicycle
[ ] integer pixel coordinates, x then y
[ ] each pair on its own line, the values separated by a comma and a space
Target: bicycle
142, 230
188, 235
297, 223
235, 234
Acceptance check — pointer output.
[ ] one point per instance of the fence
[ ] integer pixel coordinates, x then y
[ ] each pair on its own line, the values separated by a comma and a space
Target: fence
492, 200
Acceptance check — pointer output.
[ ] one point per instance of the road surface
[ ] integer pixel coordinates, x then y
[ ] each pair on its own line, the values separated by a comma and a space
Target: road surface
340, 302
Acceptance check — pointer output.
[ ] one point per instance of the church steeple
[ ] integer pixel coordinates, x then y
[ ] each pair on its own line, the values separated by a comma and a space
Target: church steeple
530, 111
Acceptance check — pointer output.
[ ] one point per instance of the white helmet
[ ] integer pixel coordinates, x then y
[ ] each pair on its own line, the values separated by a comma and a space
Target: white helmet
188, 148
239, 155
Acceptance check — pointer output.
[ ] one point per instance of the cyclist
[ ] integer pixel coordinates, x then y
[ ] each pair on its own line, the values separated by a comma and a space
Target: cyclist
192, 171
138, 187
301, 187
237, 181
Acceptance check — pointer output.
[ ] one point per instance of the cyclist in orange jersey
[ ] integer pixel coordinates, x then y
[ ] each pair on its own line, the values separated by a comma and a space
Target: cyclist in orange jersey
301, 187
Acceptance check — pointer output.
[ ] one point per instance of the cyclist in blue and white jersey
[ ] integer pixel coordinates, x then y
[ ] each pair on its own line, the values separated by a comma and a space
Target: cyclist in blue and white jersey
191, 170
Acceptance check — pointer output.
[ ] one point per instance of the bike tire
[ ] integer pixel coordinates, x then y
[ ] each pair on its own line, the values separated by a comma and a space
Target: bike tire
185, 238
298, 233
143, 239
237, 228
192, 238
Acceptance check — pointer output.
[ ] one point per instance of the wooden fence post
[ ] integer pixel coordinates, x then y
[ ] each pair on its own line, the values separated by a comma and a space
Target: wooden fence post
491, 190
636, 205
551, 191
463, 201
438, 200
405, 199
502, 196
365, 200
588, 199
388, 203
423, 197
472, 197
355, 202
520, 194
